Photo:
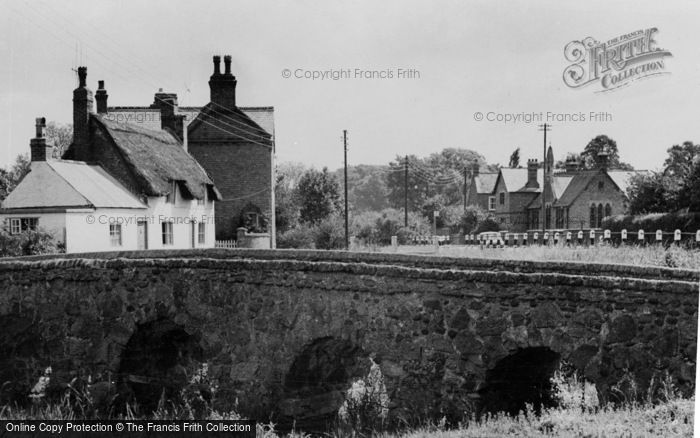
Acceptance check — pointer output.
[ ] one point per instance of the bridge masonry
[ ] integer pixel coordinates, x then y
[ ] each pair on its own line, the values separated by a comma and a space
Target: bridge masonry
284, 333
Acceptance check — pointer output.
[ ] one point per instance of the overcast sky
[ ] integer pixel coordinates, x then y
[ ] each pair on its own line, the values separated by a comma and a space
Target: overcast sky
475, 56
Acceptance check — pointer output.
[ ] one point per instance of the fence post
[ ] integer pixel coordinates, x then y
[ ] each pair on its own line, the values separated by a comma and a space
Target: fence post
579, 236
591, 236
640, 236
677, 237
659, 236
545, 238
556, 238
534, 238
623, 236
607, 236
568, 238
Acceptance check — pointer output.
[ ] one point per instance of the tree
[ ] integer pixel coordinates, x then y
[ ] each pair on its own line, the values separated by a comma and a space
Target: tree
9, 178
60, 136
602, 143
690, 193
679, 168
514, 161
319, 195
648, 193
286, 201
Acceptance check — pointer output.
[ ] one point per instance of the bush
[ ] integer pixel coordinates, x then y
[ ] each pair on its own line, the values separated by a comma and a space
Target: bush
34, 242
300, 237
668, 222
330, 233
488, 224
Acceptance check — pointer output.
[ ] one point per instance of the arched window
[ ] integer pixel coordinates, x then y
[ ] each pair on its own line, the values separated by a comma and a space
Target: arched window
608, 210
593, 216
600, 216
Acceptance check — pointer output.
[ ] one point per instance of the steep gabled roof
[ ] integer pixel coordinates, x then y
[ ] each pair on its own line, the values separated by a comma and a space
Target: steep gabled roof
559, 185
485, 182
577, 185
69, 184
157, 158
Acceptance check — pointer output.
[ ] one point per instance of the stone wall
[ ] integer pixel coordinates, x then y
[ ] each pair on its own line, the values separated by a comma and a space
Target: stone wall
285, 332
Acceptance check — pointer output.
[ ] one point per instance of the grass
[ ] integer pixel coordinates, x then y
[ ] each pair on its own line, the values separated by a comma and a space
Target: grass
652, 255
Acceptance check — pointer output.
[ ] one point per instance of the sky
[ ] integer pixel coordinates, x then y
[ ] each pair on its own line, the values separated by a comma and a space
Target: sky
460, 58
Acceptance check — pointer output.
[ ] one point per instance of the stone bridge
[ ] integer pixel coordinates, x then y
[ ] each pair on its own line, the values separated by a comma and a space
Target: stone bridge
284, 333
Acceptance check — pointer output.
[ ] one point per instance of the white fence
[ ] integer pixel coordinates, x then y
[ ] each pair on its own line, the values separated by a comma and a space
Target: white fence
225, 244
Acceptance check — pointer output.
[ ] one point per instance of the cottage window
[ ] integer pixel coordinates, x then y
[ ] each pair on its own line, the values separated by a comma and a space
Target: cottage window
593, 218
608, 210
492, 203
201, 233
21, 224
203, 201
600, 216
502, 198
167, 233
115, 234
548, 216
172, 195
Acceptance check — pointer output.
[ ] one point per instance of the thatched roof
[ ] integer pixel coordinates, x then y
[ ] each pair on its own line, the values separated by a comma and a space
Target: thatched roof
158, 158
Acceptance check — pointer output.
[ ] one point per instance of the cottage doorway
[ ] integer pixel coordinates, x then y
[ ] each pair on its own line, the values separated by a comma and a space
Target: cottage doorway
141, 234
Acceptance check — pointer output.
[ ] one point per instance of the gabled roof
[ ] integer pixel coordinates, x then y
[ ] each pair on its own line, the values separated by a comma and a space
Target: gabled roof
577, 185
559, 185
149, 118
622, 178
157, 158
69, 184
231, 124
485, 182
515, 179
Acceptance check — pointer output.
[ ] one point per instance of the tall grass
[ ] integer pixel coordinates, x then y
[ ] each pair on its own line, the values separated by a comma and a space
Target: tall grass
651, 255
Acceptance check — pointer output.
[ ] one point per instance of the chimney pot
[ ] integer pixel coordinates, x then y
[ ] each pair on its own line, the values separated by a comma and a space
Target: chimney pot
217, 65
227, 64
101, 98
82, 75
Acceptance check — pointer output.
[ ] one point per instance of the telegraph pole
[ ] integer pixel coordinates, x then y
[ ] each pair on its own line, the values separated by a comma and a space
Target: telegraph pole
345, 149
405, 192
465, 188
544, 128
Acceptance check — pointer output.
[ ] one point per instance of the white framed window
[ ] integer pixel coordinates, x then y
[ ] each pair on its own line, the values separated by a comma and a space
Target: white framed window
502, 198
167, 228
19, 225
201, 233
492, 203
115, 234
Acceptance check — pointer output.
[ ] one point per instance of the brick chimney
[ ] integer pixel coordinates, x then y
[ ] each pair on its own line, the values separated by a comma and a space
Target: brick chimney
223, 86
101, 98
532, 166
82, 108
170, 120
475, 168
40, 151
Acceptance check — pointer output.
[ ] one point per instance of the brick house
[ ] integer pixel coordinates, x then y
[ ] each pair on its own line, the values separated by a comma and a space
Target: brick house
117, 187
235, 145
480, 191
584, 200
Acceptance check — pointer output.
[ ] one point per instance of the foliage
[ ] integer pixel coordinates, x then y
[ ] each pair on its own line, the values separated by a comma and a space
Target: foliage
472, 218
600, 144
669, 222
330, 233
488, 224
9, 178
514, 161
319, 195
366, 406
367, 189
286, 200
300, 237
31, 242
649, 193
61, 136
